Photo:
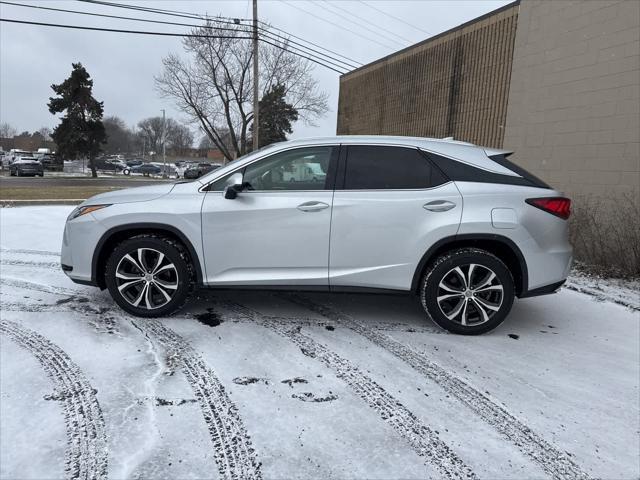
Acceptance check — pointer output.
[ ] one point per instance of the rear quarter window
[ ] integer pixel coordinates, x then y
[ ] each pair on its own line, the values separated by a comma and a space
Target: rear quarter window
462, 172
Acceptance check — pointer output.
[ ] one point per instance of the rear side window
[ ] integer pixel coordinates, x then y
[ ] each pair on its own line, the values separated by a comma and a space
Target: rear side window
389, 168
506, 163
463, 172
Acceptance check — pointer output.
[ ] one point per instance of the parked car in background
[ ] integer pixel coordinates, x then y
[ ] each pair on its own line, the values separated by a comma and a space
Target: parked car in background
108, 165
50, 161
145, 169
26, 166
459, 226
200, 169
134, 162
13, 155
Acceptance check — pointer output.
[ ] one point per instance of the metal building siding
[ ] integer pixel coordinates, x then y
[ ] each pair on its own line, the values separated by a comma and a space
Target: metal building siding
455, 84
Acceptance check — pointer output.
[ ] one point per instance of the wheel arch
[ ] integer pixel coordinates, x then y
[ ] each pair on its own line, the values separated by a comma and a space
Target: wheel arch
115, 235
502, 247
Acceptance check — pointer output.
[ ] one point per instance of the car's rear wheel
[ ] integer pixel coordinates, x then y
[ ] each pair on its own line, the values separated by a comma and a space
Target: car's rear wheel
149, 275
467, 291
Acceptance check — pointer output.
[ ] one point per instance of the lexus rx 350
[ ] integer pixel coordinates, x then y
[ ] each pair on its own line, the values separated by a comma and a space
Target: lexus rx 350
461, 226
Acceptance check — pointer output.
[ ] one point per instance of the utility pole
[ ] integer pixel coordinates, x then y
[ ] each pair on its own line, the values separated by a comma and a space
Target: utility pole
164, 137
256, 113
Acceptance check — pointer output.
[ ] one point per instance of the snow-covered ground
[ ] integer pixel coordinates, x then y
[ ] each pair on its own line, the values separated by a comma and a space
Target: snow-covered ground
249, 385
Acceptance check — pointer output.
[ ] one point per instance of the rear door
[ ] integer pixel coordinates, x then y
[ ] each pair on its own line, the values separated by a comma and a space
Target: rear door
390, 205
277, 231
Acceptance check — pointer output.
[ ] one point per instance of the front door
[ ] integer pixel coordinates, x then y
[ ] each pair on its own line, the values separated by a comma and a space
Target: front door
389, 207
276, 231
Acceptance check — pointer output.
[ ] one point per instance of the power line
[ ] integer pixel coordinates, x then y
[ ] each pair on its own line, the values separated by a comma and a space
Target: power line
271, 27
163, 34
336, 25
363, 24
118, 17
225, 20
312, 53
175, 13
395, 18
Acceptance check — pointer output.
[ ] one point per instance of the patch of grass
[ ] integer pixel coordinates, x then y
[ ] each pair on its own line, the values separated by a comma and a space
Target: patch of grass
53, 192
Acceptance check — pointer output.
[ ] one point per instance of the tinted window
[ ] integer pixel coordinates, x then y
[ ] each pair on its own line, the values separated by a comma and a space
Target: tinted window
299, 169
379, 167
462, 172
502, 160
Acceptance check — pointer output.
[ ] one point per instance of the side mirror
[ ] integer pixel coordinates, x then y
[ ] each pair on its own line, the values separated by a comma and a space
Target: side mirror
234, 185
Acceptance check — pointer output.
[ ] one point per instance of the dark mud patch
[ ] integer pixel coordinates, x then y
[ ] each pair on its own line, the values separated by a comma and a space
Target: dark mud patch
291, 381
310, 397
514, 336
331, 328
72, 298
163, 402
249, 380
209, 318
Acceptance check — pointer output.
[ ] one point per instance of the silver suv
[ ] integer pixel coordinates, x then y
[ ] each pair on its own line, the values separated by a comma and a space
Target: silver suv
459, 225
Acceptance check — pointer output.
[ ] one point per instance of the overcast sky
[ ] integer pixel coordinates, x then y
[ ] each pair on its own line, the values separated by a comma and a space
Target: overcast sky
123, 65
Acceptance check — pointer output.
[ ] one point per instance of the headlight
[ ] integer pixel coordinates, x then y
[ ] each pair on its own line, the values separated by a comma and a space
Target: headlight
79, 211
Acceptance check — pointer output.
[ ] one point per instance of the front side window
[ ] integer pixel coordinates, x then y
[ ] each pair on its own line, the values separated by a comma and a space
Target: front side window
298, 169
371, 167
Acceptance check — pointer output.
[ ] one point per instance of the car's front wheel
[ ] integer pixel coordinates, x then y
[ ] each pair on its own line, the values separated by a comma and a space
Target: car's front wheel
468, 291
149, 275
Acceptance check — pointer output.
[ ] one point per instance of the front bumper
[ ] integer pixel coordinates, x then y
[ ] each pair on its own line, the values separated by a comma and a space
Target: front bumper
79, 241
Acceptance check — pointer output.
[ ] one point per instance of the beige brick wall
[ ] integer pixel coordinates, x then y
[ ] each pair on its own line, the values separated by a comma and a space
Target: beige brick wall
573, 114
455, 84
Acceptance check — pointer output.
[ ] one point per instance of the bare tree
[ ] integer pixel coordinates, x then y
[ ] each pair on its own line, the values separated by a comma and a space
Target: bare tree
178, 137
151, 130
119, 136
213, 87
7, 130
46, 133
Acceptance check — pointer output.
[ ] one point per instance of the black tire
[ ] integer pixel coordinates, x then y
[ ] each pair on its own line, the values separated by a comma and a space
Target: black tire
483, 306
174, 254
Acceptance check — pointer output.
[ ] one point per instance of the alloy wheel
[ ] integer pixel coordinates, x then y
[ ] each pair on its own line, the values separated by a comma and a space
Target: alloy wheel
146, 278
470, 294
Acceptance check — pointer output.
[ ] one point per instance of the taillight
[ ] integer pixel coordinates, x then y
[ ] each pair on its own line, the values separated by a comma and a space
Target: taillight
558, 206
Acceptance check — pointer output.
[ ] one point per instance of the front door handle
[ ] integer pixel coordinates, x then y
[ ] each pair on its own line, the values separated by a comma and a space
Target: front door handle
312, 206
439, 205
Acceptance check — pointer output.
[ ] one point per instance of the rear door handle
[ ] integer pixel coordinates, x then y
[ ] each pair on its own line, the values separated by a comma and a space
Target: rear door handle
312, 206
439, 205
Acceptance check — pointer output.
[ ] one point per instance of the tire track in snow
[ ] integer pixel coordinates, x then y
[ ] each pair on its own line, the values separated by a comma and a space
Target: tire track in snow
27, 263
234, 453
37, 287
86, 455
43, 253
423, 440
233, 450
85, 308
553, 461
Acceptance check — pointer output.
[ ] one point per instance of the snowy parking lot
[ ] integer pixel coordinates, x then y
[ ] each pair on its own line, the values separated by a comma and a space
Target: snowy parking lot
279, 385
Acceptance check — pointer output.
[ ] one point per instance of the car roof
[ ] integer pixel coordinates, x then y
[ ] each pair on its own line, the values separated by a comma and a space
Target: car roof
464, 152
